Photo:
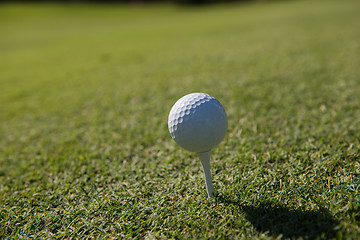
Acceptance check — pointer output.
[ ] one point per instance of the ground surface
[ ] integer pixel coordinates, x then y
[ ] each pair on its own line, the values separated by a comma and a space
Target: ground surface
86, 91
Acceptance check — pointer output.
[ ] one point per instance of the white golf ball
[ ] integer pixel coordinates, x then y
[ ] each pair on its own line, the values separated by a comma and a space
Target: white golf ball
197, 122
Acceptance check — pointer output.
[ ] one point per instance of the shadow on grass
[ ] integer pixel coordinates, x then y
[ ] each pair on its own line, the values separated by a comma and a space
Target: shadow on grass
279, 220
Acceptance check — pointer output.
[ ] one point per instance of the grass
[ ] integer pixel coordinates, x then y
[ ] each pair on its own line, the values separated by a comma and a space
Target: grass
86, 91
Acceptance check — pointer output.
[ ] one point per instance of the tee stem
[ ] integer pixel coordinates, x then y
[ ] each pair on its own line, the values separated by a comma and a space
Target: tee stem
205, 161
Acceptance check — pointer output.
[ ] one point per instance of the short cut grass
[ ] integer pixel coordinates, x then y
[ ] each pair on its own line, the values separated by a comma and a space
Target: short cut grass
85, 95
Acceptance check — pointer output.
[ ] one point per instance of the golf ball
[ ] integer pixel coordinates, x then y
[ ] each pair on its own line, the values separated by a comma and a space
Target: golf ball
197, 122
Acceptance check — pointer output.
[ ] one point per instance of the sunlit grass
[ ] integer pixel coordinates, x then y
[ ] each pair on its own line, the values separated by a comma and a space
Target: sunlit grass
86, 91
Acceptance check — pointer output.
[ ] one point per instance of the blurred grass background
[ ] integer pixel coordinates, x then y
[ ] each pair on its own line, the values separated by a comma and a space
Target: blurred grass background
86, 90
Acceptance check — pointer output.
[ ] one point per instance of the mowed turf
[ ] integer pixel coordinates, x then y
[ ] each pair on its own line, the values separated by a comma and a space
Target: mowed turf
85, 95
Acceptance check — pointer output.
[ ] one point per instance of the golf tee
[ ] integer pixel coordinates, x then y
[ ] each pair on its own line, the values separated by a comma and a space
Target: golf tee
205, 161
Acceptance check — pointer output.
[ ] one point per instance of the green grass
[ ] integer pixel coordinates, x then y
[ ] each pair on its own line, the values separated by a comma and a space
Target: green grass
86, 91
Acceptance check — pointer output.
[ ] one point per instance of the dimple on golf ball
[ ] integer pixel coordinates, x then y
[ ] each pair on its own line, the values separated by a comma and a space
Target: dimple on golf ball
197, 122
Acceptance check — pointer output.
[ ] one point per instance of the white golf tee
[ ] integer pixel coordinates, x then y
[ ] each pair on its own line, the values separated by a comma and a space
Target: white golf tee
205, 161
